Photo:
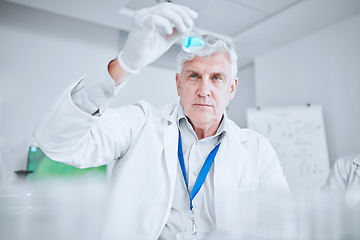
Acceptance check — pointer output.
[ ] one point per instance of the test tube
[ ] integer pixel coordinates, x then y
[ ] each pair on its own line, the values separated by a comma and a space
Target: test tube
193, 41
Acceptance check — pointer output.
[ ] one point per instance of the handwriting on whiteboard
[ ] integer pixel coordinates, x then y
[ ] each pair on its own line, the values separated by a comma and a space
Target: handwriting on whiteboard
298, 136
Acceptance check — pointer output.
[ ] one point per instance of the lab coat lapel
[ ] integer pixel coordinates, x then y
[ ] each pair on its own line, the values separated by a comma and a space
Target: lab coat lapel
170, 143
357, 171
170, 151
228, 170
357, 162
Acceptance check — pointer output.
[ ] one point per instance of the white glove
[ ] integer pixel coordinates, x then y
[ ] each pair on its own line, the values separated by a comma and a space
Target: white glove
154, 31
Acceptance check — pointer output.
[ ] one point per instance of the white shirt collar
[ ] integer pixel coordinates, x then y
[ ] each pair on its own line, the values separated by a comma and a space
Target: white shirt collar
182, 121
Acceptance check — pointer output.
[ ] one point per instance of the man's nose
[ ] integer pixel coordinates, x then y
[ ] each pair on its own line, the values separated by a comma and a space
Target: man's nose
204, 88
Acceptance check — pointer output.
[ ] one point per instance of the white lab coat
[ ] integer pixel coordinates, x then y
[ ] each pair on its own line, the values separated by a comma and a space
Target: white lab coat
345, 177
144, 140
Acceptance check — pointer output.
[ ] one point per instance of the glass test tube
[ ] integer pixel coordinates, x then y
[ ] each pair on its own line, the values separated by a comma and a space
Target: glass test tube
193, 41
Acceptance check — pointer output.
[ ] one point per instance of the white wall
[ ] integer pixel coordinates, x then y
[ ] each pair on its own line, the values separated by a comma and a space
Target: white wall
153, 84
244, 97
41, 53
323, 68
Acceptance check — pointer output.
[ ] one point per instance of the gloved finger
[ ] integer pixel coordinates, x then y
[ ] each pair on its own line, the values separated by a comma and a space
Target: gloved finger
182, 17
175, 36
162, 24
180, 8
186, 13
176, 20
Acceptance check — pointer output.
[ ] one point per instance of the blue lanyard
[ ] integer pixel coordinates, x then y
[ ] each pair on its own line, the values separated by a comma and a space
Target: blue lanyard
203, 172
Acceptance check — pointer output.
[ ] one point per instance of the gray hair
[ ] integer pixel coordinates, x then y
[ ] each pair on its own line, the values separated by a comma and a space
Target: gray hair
213, 45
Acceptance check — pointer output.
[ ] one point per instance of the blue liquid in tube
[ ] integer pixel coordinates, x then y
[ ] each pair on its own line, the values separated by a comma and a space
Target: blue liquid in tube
192, 44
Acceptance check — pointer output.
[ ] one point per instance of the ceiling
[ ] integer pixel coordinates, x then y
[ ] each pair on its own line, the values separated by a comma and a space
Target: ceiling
256, 26
220, 16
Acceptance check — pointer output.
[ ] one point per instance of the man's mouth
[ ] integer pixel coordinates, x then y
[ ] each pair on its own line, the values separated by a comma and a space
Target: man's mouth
202, 105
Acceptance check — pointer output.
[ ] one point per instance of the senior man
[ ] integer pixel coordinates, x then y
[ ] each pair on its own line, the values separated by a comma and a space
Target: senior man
174, 164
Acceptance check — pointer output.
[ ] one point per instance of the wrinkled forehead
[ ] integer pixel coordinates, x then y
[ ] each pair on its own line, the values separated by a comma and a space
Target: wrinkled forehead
217, 62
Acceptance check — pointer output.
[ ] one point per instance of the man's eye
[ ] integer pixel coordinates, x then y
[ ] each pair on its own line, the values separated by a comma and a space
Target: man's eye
193, 76
217, 78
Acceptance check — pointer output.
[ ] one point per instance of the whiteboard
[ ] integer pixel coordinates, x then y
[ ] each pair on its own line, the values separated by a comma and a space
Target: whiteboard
298, 136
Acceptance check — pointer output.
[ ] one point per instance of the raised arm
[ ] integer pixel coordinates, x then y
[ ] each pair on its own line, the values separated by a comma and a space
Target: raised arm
78, 129
153, 32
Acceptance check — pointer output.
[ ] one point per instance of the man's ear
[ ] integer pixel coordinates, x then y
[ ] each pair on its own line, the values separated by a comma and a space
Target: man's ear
233, 88
178, 82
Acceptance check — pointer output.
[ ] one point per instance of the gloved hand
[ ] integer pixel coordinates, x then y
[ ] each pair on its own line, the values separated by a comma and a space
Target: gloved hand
154, 31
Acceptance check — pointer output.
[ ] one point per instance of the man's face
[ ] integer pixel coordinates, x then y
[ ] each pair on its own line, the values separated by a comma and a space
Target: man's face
205, 88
